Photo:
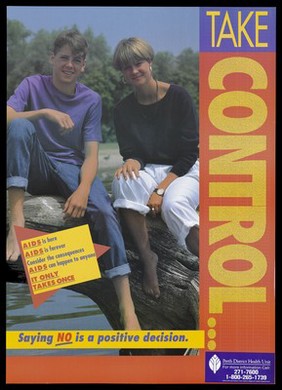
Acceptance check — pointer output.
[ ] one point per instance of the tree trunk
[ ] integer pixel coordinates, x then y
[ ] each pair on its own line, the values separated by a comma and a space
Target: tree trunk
178, 306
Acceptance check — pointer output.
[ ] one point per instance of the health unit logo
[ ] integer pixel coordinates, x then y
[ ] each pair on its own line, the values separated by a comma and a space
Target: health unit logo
239, 367
214, 363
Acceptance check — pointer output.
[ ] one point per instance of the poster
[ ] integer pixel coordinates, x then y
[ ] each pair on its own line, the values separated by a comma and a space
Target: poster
235, 338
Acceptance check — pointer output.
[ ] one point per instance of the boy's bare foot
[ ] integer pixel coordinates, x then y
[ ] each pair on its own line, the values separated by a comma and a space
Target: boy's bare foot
128, 316
150, 277
131, 322
12, 247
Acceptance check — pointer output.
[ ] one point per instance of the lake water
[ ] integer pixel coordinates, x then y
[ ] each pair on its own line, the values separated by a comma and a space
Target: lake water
65, 310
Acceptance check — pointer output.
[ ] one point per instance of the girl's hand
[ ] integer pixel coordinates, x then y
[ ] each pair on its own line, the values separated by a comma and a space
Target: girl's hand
130, 169
155, 203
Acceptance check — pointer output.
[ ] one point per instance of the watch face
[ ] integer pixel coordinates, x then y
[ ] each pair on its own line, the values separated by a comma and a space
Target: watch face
160, 191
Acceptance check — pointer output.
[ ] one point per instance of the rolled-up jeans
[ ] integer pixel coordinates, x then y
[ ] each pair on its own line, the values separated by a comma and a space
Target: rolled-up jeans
30, 168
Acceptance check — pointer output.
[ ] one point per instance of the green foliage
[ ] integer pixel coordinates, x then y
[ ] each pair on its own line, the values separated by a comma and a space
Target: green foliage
17, 48
28, 54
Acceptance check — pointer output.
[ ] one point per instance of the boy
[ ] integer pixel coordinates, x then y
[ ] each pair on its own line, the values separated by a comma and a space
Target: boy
54, 129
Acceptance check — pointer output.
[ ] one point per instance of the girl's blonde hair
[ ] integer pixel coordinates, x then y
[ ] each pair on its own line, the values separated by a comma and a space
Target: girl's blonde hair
130, 51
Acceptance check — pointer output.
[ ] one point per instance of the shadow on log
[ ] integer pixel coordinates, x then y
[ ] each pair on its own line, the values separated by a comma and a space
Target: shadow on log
178, 306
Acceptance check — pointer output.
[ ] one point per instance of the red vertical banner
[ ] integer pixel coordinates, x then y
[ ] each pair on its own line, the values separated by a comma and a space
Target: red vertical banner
237, 198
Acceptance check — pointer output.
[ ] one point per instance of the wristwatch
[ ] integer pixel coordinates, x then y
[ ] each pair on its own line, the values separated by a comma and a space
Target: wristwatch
159, 191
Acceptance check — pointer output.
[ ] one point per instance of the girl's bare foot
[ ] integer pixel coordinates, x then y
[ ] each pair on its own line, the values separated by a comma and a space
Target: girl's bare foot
150, 277
192, 240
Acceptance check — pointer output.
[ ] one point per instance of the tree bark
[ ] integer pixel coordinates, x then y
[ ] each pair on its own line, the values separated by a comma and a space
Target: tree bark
178, 306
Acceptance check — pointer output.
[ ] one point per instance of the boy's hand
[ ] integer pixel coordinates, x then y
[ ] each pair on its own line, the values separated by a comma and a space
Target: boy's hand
76, 204
61, 118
